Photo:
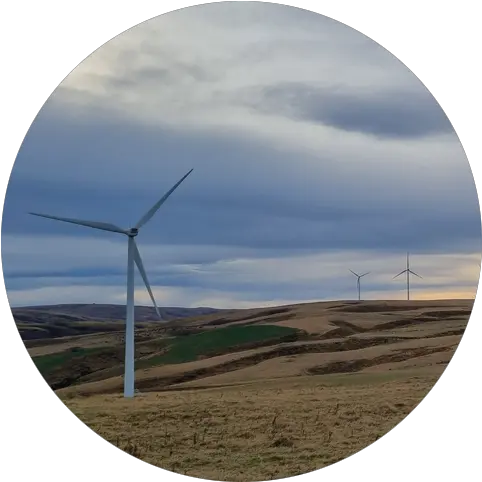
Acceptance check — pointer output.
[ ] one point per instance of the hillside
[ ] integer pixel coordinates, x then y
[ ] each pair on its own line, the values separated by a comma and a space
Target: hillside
242, 345
258, 394
52, 321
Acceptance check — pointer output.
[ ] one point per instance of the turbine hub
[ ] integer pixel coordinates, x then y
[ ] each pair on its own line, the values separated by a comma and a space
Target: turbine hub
133, 232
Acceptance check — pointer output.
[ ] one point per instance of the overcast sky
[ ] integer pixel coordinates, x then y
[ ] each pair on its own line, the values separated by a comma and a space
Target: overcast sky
314, 150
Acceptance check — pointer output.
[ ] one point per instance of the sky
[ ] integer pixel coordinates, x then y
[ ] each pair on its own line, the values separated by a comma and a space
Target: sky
315, 151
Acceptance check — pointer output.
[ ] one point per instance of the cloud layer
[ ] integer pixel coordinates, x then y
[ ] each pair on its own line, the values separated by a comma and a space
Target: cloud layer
314, 151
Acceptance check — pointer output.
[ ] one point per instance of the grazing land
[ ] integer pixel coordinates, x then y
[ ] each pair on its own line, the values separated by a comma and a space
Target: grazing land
256, 431
258, 394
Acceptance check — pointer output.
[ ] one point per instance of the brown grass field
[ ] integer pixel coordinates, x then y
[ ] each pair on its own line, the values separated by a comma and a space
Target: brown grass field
332, 379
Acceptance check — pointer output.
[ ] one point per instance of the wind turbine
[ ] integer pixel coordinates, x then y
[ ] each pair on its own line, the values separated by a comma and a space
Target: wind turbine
408, 271
133, 256
358, 281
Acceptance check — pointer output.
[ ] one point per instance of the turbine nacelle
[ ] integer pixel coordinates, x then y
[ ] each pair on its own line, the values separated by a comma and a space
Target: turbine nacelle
133, 232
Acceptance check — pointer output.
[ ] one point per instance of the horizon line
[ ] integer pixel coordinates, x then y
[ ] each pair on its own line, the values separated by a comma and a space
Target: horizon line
351, 300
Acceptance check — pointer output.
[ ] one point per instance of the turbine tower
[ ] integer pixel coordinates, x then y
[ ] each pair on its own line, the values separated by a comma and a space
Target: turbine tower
358, 281
133, 256
408, 271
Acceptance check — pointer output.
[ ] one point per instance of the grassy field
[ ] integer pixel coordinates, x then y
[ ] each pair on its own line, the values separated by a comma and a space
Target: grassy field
46, 363
258, 431
189, 348
248, 395
69, 364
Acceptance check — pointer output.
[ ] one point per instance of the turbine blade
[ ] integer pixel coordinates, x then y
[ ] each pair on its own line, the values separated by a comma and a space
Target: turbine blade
415, 273
159, 203
401, 272
140, 266
90, 224
364, 274
353, 272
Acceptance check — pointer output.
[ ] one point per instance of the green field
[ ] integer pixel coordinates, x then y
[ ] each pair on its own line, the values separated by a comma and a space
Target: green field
180, 349
46, 363
188, 348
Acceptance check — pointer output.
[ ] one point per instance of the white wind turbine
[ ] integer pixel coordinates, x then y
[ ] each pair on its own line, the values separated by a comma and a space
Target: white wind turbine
408, 271
358, 281
133, 256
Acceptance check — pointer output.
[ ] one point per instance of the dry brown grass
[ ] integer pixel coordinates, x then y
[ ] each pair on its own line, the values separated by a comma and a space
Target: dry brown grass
282, 410
288, 360
97, 340
299, 365
314, 318
320, 317
257, 431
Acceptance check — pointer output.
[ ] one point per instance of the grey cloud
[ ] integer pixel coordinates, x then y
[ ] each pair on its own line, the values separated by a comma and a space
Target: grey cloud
240, 194
396, 187
162, 72
227, 221
398, 114
330, 280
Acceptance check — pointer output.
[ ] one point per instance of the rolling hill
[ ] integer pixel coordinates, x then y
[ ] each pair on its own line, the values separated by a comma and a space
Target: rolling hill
52, 321
261, 393
241, 345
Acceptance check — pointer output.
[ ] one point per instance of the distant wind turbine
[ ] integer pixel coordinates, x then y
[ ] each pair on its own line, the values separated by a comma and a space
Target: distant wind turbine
133, 256
408, 271
358, 281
